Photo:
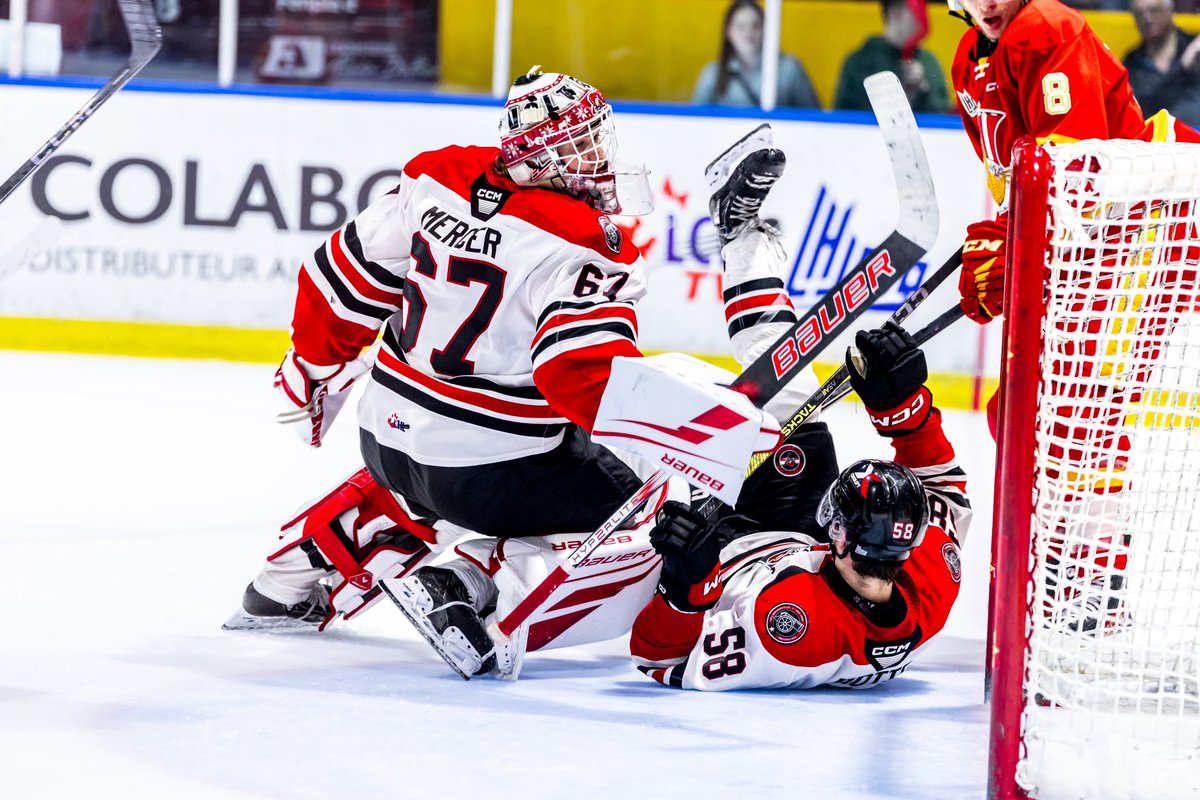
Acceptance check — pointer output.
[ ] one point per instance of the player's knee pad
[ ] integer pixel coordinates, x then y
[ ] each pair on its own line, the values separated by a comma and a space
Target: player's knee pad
360, 533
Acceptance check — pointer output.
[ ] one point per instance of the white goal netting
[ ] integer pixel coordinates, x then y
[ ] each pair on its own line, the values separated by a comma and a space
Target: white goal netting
1112, 693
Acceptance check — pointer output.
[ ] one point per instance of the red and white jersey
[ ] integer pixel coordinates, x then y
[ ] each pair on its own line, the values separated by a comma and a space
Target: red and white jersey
502, 308
786, 619
1050, 77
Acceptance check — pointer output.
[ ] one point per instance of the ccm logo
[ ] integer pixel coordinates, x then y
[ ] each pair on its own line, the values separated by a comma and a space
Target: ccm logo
891, 649
857, 290
982, 245
697, 477
490, 194
901, 416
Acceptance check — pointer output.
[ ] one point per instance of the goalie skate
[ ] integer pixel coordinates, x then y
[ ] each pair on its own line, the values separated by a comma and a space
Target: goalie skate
437, 603
740, 179
259, 612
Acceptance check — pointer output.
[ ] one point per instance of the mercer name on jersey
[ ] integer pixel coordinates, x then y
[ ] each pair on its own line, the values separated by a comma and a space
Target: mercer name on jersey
501, 308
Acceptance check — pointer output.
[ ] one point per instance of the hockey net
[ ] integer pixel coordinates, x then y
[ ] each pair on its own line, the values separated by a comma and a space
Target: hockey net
1095, 665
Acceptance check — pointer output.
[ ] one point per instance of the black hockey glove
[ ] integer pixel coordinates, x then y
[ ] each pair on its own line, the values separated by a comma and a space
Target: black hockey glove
690, 550
888, 372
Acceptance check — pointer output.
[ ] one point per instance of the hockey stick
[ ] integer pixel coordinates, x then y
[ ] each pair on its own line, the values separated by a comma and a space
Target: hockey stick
145, 38
837, 385
915, 233
952, 266
943, 321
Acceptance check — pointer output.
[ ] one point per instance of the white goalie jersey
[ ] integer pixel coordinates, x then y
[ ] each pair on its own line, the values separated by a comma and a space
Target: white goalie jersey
502, 308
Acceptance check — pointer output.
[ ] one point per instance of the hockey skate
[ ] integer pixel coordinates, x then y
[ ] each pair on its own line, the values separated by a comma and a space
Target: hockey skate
438, 604
740, 179
1097, 610
259, 612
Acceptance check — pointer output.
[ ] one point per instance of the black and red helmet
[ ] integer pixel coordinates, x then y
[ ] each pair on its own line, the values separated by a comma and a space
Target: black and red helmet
880, 505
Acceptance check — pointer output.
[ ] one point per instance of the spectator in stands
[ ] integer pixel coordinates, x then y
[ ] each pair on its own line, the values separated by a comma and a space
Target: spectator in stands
736, 77
897, 51
1164, 70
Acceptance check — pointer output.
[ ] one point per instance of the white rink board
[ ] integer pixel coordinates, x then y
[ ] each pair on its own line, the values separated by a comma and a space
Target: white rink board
174, 165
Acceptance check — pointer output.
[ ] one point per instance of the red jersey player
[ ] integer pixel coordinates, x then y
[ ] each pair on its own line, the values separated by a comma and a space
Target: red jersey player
1034, 68
739, 610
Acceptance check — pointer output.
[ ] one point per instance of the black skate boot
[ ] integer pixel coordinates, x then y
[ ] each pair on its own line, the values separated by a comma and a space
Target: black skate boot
437, 602
740, 179
260, 612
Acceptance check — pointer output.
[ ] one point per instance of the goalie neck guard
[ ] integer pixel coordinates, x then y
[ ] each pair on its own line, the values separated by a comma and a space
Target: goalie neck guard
879, 507
557, 132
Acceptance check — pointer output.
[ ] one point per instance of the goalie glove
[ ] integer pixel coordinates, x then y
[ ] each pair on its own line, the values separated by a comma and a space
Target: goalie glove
888, 372
981, 282
315, 394
691, 552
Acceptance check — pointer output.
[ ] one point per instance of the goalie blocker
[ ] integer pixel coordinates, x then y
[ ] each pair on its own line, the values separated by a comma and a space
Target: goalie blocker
675, 411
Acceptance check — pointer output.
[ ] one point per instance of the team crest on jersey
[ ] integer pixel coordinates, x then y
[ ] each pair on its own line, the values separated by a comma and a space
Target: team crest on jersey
889, 655
787, 623
789, 461
953, 563
486, 199
968, 103
612, 234
396, 423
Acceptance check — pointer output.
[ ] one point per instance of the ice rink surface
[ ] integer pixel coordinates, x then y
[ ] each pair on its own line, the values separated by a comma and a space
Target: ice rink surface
137, 499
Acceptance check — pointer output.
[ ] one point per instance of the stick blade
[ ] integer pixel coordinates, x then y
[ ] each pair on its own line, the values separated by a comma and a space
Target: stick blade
918, 218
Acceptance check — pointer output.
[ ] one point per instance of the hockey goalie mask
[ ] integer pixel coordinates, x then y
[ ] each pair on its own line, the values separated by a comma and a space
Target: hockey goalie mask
557, 132
879, 506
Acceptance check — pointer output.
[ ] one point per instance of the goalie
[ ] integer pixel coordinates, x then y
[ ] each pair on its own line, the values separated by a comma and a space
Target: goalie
507, 301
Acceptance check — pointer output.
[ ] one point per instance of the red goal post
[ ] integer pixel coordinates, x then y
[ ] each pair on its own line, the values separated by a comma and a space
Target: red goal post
1094, 627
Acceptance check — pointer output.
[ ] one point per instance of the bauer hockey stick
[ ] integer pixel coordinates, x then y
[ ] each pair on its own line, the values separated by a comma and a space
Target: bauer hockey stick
943, 321
831, 390
145, 38
916, 230
952, 266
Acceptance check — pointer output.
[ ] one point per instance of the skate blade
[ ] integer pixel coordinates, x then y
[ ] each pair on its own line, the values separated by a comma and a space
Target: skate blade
719, 169
429, 635
241, 621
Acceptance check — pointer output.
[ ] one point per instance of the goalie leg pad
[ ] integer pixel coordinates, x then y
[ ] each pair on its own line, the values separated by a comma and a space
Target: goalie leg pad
605, 592
358, 534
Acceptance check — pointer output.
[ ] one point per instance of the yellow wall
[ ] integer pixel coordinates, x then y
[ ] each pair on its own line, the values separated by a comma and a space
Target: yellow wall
654, 49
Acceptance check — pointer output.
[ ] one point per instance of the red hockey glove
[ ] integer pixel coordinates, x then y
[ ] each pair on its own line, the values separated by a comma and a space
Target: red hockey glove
888, 372
314, 394
981, 282
691, 552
